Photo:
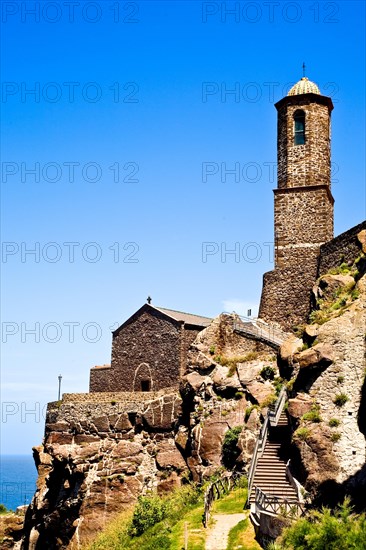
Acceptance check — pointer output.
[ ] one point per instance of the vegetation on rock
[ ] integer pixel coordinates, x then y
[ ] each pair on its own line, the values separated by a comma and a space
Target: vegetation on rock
340, 399
230, 449
326, 529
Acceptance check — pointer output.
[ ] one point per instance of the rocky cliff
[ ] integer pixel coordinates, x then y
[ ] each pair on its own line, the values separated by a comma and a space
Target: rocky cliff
328, 405
102, 450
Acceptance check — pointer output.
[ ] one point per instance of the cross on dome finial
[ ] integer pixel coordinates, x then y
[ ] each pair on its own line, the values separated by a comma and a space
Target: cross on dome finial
303, 68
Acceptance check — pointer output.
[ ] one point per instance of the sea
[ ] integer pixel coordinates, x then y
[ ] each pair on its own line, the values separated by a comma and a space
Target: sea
18, 476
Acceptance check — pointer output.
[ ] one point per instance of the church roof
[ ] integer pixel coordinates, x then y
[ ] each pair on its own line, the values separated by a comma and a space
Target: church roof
188, 318
180, 316
304, 86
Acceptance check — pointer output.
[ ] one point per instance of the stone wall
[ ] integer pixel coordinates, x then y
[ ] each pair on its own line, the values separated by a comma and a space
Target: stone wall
303, 220
108, 397
286, 293
343, 248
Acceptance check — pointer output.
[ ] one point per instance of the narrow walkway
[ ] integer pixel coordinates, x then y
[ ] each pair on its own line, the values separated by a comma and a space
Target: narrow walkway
217, 536
270, 474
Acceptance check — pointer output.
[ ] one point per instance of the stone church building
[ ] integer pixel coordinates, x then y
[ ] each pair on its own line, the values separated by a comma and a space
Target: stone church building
149, 350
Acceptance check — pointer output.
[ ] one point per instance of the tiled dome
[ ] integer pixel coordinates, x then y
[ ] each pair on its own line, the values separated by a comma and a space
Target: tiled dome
304, 86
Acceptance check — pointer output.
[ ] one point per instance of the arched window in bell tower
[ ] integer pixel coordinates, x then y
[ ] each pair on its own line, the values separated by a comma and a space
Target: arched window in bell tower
299, 125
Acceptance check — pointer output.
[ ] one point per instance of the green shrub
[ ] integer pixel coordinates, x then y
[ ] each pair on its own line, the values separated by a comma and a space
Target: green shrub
335, 436
302, 434
268, 373
312, 416
3, 509
334, 422
327, 529
340, 399
343, 269
248, 411
340, 379
355, 294
239, 395
278, 384
149, 510
212, 350
270, 400
230, 450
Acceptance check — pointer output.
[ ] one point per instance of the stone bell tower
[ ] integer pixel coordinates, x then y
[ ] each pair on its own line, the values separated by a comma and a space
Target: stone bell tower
303, 203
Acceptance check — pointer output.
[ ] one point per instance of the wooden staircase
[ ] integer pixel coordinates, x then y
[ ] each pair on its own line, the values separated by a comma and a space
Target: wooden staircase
270, 472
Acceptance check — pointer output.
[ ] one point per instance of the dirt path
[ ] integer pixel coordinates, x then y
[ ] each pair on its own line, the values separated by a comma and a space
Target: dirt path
217, 536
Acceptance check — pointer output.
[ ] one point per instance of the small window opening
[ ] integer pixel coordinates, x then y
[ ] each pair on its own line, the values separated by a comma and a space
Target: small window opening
145, 385
299, 120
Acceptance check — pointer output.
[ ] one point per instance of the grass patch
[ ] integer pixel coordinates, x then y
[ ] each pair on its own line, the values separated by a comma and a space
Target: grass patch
157, 523
231, 362
270, 400
232, 503
312, 416
334, 422
242, 536
340, 399
301, 434
335, 436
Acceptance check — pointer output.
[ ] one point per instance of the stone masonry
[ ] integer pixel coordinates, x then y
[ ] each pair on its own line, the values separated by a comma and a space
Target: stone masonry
303, 209
149, 351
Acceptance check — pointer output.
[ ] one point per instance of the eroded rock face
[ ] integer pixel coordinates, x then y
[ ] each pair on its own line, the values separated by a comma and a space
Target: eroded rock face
319, 355
101, 451
299, 405
318, 457
290, 347
93, 465
362, 239
328, 285
329, 385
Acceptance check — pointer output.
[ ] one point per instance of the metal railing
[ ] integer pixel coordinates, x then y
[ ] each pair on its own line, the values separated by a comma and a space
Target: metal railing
274, 411
258, 451
272, 418
218, 488
277, 505
259, 330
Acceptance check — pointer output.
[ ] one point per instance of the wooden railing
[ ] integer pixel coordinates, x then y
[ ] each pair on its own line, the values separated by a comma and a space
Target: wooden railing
217, 489
277, 505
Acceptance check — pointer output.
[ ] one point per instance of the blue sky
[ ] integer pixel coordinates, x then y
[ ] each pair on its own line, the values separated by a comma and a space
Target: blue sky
129, 133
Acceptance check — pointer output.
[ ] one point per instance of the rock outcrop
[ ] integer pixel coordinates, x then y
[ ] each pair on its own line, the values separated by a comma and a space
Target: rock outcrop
99, 453
102, 450
328, 385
